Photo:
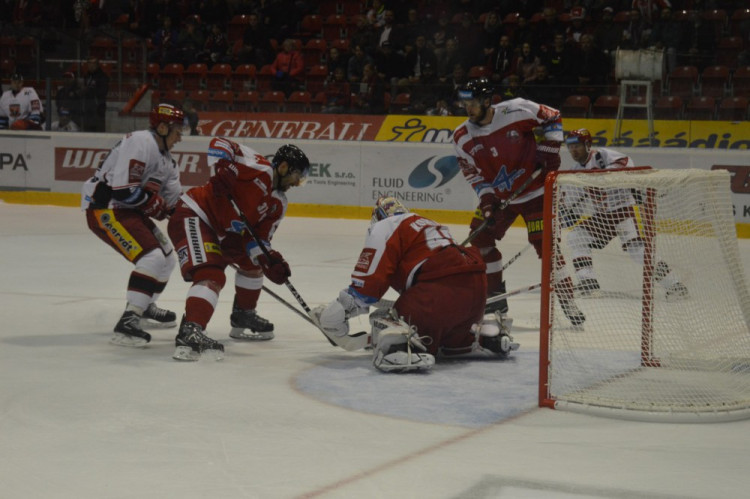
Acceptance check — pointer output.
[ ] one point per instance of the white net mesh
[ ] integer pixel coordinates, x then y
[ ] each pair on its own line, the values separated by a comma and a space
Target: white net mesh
668, 331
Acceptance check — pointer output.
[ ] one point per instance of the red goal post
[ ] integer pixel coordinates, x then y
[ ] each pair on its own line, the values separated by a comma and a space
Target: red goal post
641, 355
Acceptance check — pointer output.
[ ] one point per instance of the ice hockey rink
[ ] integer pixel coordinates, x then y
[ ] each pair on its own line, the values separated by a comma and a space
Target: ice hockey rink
295, 417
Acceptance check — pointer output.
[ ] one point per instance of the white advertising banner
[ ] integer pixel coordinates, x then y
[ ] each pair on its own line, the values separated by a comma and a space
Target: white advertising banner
343, 173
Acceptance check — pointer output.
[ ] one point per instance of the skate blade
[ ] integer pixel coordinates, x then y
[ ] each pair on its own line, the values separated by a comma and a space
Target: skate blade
214, 355
152, 324
185, 354
239, 333
124, 340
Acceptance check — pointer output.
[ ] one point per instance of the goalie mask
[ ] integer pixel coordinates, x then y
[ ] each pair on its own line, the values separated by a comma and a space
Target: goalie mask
387, 207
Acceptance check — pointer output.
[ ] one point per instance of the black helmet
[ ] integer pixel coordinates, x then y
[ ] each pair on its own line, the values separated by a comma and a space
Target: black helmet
478, 88
294, 157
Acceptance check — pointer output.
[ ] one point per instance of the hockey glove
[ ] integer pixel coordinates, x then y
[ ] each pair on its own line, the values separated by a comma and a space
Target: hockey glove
275, 267
224, 178
548, 155
233, 247
155, 207
488, 203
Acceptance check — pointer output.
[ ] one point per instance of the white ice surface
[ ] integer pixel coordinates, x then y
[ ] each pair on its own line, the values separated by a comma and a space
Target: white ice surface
294, 417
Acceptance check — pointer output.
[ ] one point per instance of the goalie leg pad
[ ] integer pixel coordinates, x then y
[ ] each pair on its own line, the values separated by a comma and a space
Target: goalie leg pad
400, 350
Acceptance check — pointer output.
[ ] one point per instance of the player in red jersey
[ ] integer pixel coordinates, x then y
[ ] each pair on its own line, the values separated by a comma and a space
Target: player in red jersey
209, 233
441, 287
498, 148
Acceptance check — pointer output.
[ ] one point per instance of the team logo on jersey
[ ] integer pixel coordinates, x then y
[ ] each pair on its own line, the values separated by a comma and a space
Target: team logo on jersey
365, 260
432, 170
503, 181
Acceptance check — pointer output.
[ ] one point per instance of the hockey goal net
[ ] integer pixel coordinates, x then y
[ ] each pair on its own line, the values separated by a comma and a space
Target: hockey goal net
667, 332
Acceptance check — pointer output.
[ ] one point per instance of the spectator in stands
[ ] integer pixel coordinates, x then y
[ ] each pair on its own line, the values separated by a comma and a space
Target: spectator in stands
216, 49
526, 8
469, 43
413, 26
448, 58
95, 90
370, 97
513, 89
391, 65
64, 122
558, 60
363, 34
544, 32
417, 55
458, 78
426, 93
490, 37
504, 62
356, 65
522, 33
256, 49
376, 14
337, 93
542, 88
165, 45
606, 34
577, 26
335, 60
649, 9
590, 67
288, 67
438, 35
189, 42
389, 32
191, 116
69, 97
669, 35
527, 62
636, 33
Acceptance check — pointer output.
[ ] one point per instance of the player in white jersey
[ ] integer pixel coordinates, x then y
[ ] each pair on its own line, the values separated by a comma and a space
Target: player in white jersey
613, 212
441, 288
138, 181
20, 107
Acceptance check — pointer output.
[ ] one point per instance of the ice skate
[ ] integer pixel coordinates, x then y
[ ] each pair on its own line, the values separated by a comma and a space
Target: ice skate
191, 343
158, 318
677, 292
587, 287
128, 332
493, 334
572, 312
259, 328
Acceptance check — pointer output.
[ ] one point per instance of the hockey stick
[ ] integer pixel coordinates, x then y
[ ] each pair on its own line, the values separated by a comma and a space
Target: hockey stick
518, 291
347, 342
515, 257
504, 204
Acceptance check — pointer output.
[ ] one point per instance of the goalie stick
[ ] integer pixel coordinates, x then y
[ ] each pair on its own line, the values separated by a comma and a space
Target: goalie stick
348, 342
503, 204
385, 303
514, 292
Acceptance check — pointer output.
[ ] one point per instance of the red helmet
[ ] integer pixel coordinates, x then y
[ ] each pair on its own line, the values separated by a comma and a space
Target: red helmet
580, 136
165, 113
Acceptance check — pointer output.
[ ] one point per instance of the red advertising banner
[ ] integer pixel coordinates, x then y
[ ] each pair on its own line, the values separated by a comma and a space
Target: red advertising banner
291, 126
77, 164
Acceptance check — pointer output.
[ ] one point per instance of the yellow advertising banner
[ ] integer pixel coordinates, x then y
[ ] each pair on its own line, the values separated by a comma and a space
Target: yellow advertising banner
634, 133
